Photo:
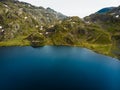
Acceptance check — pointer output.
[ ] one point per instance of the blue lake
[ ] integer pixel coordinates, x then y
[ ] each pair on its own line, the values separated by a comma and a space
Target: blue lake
57, 68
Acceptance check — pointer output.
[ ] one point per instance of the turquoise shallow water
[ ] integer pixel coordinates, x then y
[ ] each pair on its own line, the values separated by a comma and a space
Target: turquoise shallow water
57, 68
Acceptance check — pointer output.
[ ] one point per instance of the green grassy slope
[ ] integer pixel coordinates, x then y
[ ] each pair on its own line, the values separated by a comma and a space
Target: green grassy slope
22, 24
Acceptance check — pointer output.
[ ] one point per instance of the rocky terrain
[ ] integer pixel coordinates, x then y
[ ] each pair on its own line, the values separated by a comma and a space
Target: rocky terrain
110, 22
19, 19
23, 24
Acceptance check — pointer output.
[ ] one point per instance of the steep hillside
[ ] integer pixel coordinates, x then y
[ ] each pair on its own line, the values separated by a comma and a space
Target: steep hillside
72, 31
23, 24
109, 22
19, 19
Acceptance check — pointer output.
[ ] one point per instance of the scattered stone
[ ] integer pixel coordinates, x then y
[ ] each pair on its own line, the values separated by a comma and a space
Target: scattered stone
25, 18
47, 33
16, 26
6, 5
87, 22
47, 15
117, 16
29, 5
41, 28
0, 27
73, 22
34, 17
60, 21
64, 28
36, 26
3, 30
6, 10
40, 33
20, 11
112, 14
52, 25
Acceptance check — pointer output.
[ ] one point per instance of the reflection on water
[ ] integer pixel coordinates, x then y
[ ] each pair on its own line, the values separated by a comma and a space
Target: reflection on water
57, 68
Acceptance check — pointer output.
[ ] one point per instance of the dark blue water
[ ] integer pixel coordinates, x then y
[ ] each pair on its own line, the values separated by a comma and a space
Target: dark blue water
57, 68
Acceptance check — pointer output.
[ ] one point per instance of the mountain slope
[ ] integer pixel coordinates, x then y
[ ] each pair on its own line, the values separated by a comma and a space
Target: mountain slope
23, 24
20, 19
110, 22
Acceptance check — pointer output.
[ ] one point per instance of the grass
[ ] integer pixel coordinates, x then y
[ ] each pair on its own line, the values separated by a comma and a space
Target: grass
99, 48
19, 41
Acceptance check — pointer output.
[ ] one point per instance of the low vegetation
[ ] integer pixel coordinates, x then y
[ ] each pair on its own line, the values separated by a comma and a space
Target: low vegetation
22, 24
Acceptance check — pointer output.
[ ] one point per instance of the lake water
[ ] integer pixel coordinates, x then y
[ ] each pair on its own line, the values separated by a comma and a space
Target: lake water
57, 68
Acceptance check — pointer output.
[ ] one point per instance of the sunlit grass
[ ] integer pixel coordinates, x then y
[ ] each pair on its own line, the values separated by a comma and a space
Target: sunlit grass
19, 41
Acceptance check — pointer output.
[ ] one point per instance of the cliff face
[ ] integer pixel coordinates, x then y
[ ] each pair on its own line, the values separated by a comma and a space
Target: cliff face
24, 24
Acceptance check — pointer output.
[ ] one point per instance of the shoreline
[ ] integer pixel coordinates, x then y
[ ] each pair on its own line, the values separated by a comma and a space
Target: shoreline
67, 45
